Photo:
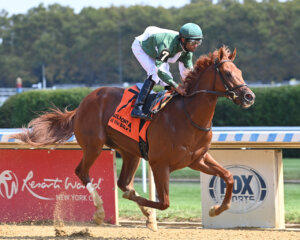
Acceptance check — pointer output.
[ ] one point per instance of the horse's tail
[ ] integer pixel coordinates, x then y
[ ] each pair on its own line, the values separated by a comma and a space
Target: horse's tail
53, 127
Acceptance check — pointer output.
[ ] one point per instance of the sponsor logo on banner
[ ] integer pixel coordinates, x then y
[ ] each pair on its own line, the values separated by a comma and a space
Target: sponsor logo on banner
9, 187
8, 184
249, 190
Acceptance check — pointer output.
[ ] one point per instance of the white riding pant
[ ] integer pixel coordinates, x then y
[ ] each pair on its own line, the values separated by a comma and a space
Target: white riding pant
148, 63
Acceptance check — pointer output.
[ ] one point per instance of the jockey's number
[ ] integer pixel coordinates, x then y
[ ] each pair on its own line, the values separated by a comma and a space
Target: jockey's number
164, 55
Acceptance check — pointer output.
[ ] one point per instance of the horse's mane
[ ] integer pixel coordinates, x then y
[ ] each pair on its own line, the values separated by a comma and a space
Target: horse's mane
202, 63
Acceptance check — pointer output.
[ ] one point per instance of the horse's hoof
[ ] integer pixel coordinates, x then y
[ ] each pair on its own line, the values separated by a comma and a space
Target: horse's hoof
151, 225
99, 217
99, 221
212, 211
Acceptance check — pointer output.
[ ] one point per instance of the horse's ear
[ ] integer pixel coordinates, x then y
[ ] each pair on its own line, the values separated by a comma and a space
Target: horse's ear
220, 54
232, 55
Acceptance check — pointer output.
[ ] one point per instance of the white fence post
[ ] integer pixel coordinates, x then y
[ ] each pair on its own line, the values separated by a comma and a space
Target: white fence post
152, 192
144, 175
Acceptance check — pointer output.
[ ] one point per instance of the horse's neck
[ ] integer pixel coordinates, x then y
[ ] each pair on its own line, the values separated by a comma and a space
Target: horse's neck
205, 80
201, 107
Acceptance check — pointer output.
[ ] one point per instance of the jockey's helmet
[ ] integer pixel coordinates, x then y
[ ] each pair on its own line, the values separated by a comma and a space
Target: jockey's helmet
190, 32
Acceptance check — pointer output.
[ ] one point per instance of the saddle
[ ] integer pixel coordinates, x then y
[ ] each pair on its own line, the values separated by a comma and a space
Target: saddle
136, 128
155, 101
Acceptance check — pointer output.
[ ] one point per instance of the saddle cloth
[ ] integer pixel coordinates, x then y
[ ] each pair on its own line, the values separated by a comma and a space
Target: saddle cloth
136, 128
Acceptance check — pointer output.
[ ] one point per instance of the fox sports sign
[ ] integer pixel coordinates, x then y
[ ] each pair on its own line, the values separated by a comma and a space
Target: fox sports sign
249, 190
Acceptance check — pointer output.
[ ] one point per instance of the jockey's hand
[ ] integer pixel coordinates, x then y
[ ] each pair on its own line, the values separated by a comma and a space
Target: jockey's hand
180, 89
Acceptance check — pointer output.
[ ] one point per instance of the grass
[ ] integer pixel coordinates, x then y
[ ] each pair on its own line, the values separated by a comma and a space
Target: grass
291, 170
185, 198
291, 203
185, 203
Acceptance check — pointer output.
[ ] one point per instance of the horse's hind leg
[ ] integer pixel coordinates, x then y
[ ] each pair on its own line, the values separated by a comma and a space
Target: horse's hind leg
125, 183
90, 154
209, 166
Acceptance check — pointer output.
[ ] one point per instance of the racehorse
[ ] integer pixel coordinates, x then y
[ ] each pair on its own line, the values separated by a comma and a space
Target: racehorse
179, 135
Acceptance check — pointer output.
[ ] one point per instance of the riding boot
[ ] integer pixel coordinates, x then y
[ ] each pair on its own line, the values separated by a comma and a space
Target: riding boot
137, 111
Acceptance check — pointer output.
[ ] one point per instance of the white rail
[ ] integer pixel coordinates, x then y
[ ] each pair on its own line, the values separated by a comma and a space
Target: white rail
223, 137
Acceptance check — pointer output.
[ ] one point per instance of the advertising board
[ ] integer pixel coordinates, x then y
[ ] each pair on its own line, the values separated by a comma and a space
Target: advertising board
257, 198
42, 185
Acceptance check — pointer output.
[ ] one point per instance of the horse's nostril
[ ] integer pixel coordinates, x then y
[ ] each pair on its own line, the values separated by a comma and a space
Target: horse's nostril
248, 97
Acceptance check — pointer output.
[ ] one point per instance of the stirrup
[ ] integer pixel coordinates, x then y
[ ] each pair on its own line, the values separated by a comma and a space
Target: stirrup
136, 113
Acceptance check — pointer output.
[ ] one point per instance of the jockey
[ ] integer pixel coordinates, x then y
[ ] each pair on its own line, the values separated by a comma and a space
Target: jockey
158, 47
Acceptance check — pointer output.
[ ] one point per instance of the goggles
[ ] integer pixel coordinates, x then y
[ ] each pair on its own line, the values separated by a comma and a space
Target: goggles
194, 42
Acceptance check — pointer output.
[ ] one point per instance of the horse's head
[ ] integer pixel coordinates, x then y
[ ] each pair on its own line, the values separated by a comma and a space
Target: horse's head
229, 78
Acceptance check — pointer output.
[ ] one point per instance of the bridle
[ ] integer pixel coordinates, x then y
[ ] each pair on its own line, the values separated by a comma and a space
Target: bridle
230, 91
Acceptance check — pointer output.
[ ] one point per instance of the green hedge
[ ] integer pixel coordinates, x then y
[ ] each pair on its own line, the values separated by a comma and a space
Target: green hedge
19, 109
274, 106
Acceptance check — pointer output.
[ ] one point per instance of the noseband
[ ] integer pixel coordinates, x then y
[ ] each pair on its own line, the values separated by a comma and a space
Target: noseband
230, 91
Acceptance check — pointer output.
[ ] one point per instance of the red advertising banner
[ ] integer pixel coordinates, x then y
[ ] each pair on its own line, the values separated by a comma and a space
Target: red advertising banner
42, 185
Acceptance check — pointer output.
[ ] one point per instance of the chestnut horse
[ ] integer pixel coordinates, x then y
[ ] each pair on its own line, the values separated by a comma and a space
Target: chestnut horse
179, 135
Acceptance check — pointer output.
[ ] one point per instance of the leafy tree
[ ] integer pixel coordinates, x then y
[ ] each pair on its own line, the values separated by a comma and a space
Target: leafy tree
94, 46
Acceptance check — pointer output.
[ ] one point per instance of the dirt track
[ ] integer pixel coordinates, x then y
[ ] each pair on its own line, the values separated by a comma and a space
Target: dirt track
91, 231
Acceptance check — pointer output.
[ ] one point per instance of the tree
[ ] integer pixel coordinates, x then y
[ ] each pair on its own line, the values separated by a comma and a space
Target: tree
94, 46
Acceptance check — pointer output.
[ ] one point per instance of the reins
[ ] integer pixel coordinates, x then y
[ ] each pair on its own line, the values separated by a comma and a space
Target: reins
207, 91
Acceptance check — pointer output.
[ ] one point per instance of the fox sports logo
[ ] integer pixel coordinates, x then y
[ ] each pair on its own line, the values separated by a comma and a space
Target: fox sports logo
249, 190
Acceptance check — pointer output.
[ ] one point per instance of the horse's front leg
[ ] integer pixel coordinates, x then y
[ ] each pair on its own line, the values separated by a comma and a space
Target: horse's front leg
161, 176
125, 183
209, 166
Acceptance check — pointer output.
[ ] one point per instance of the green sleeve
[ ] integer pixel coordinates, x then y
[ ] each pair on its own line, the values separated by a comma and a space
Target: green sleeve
164, 76
162, 57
